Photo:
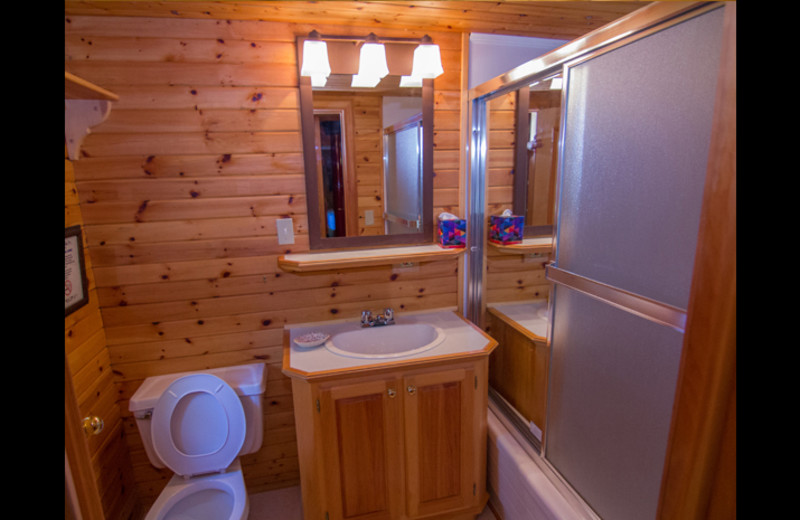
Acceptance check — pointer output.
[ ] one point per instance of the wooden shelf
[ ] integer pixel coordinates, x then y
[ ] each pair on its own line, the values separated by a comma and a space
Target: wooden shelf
78, 88
309, 262
528, 246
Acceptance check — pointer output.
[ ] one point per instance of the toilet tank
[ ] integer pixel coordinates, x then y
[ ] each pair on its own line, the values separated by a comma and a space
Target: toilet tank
248, 381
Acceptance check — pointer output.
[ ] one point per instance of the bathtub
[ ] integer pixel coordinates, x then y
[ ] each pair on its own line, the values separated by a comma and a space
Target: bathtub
521, 485
518, 368
531, 314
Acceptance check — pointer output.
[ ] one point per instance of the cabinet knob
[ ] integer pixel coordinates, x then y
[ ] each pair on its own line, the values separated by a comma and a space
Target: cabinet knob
412, 389
391, 392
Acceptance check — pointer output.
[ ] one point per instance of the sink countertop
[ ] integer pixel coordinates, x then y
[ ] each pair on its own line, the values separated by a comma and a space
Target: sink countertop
462, 338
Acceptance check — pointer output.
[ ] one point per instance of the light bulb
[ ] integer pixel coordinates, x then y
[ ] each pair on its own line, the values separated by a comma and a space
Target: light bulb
410, 81
364, 80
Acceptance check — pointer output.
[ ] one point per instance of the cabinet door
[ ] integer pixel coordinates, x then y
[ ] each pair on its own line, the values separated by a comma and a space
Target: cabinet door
439, 433
361, 443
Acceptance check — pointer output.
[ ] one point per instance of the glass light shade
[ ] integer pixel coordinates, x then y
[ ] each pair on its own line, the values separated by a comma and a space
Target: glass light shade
555, 83
372, 60
315, 59
365, 80
427, 61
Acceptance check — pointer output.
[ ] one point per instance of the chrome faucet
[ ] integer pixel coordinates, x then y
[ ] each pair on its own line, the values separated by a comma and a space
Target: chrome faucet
367, 320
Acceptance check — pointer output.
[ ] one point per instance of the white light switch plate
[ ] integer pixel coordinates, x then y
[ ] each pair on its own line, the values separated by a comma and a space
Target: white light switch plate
369, 217
285, 230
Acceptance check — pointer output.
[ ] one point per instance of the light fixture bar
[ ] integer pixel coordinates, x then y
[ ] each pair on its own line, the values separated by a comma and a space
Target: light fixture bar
387, 39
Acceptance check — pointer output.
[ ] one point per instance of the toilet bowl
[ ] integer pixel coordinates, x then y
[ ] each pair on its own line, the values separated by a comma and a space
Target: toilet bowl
197, 424
208, 497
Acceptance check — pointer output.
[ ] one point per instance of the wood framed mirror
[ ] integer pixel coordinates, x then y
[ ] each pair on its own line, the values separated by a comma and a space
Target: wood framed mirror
351, 137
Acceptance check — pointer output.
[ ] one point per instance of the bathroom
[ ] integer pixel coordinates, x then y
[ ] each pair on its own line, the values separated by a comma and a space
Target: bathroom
178, 192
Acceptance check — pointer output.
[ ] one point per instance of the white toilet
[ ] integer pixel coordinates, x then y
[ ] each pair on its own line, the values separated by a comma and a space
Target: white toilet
197, 424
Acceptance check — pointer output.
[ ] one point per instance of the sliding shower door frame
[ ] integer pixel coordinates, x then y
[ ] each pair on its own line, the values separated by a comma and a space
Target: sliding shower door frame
652, 310
639, 24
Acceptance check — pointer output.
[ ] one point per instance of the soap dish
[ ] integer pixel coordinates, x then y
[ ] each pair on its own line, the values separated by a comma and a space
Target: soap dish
311, 339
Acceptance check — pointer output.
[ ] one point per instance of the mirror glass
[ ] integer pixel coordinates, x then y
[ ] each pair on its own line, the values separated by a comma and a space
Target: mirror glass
536, 158
367, 180
522, 133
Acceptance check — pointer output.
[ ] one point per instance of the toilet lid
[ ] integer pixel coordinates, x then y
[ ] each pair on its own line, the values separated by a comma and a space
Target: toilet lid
198, 425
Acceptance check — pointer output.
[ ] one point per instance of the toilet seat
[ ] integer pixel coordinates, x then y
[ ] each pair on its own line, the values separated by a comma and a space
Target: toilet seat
198, 425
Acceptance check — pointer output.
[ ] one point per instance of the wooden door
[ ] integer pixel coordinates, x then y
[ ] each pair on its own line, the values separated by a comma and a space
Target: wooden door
439, 430
81, 496
362, 446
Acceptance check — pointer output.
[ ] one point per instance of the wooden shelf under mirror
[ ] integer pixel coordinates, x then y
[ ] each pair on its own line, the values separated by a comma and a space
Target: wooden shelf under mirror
528, 246
308, 262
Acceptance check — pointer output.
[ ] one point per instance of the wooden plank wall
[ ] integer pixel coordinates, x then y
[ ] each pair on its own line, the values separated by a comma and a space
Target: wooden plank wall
179, 190
90, 365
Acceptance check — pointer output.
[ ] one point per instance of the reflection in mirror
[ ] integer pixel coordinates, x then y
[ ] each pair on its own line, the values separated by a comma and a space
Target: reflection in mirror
369, 173
521, 161
540, 159
335, 173
402, 175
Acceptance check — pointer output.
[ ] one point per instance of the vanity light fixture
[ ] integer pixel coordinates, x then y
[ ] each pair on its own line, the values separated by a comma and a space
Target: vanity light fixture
315, 60
372, 64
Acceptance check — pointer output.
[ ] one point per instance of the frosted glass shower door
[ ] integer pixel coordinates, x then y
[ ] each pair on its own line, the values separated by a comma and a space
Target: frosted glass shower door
636, 130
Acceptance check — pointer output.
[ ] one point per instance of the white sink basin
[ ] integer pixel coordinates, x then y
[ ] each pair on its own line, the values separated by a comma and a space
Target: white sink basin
386, 341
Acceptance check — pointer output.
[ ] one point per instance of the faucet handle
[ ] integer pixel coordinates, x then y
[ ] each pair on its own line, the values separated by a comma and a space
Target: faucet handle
366, 317
388, 314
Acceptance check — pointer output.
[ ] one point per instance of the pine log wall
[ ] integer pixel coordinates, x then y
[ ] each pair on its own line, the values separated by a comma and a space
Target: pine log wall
179, 190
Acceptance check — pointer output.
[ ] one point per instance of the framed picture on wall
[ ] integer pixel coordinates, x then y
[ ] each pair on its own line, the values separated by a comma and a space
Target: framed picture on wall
76, 287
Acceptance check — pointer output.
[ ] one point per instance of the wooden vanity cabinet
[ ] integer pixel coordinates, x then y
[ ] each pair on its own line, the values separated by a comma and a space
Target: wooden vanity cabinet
394, 443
